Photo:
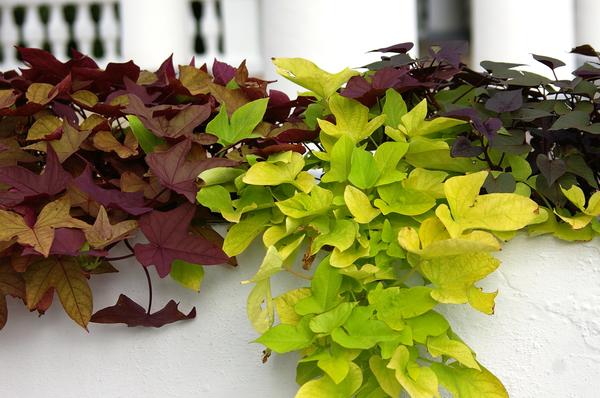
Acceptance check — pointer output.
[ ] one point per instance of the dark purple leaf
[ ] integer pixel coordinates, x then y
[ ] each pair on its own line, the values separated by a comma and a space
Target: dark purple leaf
297, 135
130, 202
450, 51
550, 62
505, 101
463, 148
551, 169
505, 183
585, 49
401, 48
169, 240
132, 314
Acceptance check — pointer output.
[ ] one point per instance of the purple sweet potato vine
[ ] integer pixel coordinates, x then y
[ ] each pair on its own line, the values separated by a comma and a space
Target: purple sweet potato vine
91, 158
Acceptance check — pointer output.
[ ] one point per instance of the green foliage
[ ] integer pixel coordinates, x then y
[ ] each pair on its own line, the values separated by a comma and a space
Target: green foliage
399, 225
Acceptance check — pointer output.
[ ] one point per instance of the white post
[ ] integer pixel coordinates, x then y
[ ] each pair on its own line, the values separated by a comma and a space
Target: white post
153, 30
586, 23
241, 23
334, 33
511, 30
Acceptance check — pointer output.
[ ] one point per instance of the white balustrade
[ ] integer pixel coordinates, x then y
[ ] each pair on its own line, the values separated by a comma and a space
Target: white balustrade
55, 31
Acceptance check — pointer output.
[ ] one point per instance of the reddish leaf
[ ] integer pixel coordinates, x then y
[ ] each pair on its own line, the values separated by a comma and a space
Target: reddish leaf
130, 202
222, 72
132, 314
401, 48
169, 240
178, 174
26, 184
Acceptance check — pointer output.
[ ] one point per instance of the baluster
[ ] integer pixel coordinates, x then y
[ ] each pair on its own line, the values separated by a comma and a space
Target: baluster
109, 31
84, 29
33, 28
8, 37
58, 32
209, 25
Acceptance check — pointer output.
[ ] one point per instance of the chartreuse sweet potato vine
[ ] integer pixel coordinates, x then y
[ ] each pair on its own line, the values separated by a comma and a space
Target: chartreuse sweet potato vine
395, 223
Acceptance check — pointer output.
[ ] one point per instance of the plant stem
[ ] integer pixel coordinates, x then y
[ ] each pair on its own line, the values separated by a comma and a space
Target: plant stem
119, 257
299, 275
149, 289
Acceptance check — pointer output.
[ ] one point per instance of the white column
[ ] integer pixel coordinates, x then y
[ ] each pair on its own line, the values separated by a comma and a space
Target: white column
445, 17
8, 37
511, 30
587, 30
241, 23
154, 30
333, 33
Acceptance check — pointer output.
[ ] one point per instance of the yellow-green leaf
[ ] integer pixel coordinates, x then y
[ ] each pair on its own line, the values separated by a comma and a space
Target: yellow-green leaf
359, 205
311, 77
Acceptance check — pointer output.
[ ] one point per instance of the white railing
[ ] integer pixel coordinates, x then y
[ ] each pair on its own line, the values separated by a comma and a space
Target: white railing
146, 31
91, 26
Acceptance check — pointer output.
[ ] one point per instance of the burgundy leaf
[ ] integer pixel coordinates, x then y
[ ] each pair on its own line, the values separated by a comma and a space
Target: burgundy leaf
130, 202
585, 49
169, 240
26, 184
179, 174
297, 135
222, 72
132, 314
44, 67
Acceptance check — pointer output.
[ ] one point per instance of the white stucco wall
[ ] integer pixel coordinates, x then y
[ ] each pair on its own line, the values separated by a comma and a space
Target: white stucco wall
543, 341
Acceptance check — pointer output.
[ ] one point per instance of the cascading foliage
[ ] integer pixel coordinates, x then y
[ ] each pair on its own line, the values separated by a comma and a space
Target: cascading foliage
398, 209
385, 192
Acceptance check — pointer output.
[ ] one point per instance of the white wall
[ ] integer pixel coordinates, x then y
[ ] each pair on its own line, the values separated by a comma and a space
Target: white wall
543, 341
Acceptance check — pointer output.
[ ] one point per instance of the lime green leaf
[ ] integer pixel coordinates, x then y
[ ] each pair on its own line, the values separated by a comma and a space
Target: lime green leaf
394, 108
385, 377
414, 124
454, 275
325, 387
428, 324
260, 317
443, 345
285, 338
396, 199
352, 119
277, 170
311, 77
359, 205
216, 198
427, 181
435, 154
419, 382
520, 168
325, 286
395, 304
242, 124
362, 332
306, 205
341, 236
285, 305
340, 160
240, 235
147, 140
345, 258
469, 383
187, 274
272, 263
364, 171
496, 211
387, 157
219, 175
327, 321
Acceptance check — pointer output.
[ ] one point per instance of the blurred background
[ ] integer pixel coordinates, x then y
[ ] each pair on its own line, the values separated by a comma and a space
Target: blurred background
332, 33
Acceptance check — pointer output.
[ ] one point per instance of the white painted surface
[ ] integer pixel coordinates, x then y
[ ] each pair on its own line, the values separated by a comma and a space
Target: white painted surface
543, 341
511, 30
334, 34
